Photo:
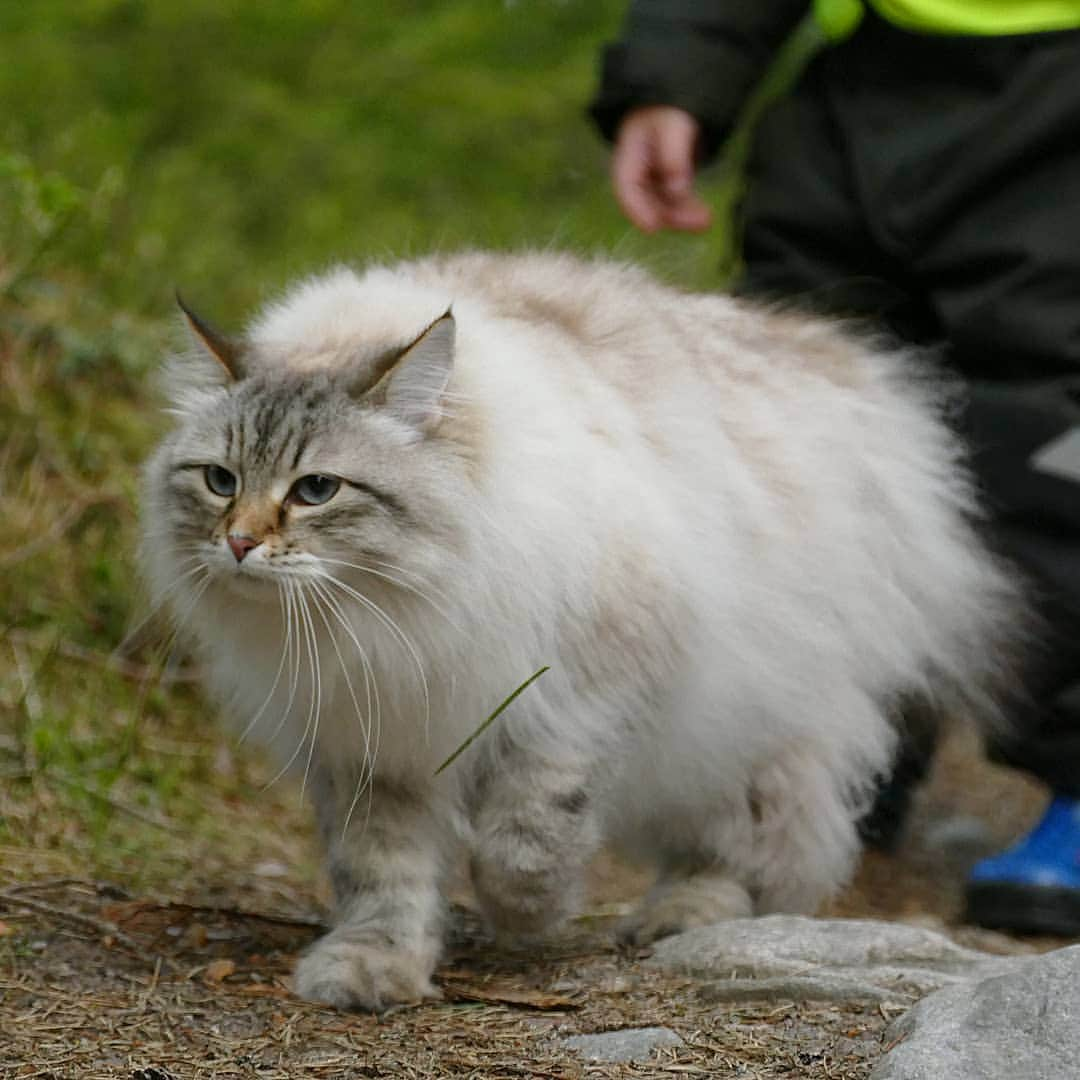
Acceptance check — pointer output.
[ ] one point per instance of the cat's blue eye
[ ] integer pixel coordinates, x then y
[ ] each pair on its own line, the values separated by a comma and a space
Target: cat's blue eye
315, 489
220, 481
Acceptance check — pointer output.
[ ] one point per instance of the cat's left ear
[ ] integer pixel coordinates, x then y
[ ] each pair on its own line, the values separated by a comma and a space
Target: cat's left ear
227, 351
412, 389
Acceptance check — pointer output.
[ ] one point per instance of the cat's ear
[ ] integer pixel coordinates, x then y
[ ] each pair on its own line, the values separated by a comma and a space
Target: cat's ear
228, 352
413, 387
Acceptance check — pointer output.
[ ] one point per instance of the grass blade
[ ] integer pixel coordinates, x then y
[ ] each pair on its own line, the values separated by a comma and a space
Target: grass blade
490, 720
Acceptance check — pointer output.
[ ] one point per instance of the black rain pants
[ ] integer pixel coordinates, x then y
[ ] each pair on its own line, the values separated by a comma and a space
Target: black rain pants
934, 183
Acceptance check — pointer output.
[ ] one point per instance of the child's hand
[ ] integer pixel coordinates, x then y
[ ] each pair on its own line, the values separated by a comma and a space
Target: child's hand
652, 170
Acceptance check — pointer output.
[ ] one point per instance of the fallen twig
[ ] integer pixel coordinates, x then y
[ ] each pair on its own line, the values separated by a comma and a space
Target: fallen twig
306, 921
98, 888
101, 927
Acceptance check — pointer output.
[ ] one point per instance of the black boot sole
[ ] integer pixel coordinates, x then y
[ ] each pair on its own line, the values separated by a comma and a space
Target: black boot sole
1024, 909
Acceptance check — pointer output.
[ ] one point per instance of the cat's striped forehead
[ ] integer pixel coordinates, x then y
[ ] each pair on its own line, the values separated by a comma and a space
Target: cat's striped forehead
267, 424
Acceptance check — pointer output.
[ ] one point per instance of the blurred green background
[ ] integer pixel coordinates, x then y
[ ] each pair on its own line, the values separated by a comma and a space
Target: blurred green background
224, 147
230, 145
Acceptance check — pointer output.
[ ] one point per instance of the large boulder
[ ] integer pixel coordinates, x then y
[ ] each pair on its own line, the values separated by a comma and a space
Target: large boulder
796, 958
1022, 1023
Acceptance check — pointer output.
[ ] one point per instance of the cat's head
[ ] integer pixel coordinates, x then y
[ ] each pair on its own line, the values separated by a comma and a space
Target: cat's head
280, 470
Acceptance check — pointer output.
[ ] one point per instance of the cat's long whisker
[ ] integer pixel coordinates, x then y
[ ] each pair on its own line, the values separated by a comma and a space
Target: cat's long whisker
194, 560
277, 676
311, 648
199, 566
293, 647
371, 742
366, 781
319, 599
397, 632
415, 575
317, 668
404, 571
159, 602
396, 581
202, 584
368, 767
369, 674
179, 622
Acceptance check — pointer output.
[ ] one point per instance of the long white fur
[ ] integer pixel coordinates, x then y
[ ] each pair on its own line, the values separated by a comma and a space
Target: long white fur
736, 535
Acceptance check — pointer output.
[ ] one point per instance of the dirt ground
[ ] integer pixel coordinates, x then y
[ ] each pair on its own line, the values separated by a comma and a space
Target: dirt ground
96, 983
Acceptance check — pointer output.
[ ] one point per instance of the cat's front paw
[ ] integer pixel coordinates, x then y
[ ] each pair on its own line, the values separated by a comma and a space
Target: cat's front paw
682, 905
364, 975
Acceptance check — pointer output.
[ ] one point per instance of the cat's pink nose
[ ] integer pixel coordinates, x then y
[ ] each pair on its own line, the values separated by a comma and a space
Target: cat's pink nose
241, 545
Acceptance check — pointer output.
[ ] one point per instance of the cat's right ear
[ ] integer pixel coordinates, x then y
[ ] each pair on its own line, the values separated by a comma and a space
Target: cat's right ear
227, 351
412, 386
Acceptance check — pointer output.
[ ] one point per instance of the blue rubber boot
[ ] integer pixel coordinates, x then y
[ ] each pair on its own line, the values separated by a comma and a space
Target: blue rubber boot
1034, 887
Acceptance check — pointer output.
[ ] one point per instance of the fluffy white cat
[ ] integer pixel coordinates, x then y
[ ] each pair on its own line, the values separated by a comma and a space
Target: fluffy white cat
738, 537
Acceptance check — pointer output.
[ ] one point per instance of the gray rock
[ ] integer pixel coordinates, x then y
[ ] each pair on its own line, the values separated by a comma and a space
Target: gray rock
627, 1044
1020, 1024
826, 987
877, 960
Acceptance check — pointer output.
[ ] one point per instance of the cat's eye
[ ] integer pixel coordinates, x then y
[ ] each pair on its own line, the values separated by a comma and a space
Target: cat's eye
220, 481
314, 490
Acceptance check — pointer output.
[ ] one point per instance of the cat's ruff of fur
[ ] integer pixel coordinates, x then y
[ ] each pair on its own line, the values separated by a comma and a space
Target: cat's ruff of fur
736, 535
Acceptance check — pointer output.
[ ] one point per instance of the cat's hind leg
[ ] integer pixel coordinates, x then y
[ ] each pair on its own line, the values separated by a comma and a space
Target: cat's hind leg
786, 844
698, 850
677, 903
805, 837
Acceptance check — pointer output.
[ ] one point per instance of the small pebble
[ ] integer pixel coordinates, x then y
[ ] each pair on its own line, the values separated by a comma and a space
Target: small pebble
626, 1044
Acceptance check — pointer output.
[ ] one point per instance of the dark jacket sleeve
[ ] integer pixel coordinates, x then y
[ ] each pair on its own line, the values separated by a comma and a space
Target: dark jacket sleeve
704, 57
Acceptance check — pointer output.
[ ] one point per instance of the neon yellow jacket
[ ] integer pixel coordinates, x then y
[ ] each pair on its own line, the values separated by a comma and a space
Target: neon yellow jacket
839, 17
705, 56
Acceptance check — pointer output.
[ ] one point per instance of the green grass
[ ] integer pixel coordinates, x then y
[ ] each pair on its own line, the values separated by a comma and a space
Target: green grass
223, 147
228, 146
